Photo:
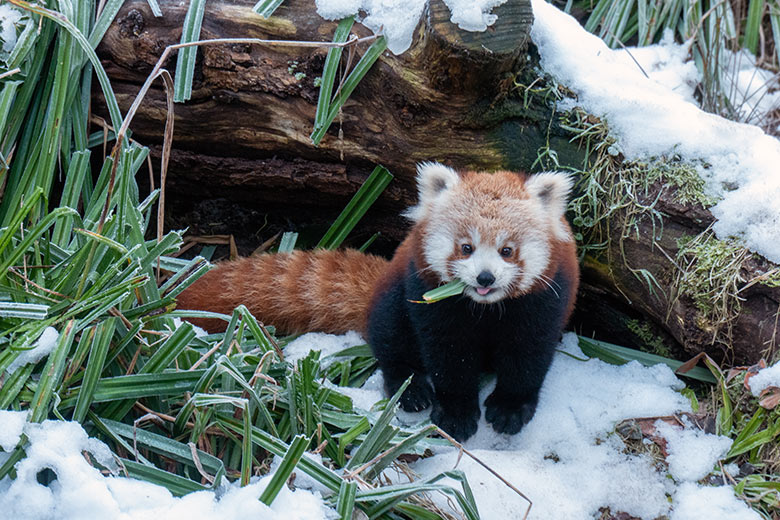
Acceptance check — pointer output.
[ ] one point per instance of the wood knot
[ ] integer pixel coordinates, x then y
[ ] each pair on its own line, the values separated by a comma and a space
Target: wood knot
132, 24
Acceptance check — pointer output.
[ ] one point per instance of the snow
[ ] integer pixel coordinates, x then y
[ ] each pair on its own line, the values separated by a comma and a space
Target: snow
682, 442
82, 491
42, 347
695, 502
651, 119
10, 17
11, 427
754, 91
765, 378
473, 15
199, 332
397, 19
571, 436
326, 344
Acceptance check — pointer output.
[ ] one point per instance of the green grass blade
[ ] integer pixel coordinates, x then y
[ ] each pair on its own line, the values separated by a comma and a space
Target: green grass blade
27, 311
402, 447
774, 22
185, 61
100, 337
266, 8
361, 69
246, 447
329, 71
86, 46
177, 485
7, 96
107, 15
165, 446
155, 7
74, 180
356, 208
618, 355
136, 386
345, 505
287, 243
349, 436
31, 236
318, 472
285, 469
753, 25
52, 374
372, 445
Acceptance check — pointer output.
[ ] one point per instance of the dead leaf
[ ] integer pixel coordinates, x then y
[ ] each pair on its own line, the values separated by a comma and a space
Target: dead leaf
751, 371
769, 397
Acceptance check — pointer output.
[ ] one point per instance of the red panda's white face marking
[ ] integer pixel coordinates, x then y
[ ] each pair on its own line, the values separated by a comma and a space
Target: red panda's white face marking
492, 231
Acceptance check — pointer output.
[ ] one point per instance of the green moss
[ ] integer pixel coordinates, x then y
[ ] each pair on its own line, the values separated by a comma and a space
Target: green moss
652, 343
711, 274
615, 192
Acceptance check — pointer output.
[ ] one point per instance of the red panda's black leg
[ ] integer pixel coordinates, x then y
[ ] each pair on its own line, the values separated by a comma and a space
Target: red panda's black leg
449, 347
393, 342
456, 407
523, 351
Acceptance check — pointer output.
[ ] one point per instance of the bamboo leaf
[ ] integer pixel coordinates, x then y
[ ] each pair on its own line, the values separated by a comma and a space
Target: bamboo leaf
285, 469
266, 8
100, 337
356, 208
354, 77
185, 61
453, 288
329, 71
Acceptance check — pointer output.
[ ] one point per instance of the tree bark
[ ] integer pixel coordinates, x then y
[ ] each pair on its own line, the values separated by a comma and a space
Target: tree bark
461, 98
450, 97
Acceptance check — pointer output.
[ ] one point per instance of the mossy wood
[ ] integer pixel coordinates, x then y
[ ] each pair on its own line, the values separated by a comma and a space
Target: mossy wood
662, 306
462, 98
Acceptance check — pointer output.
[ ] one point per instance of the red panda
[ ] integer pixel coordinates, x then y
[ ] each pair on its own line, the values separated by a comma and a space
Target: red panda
504, 234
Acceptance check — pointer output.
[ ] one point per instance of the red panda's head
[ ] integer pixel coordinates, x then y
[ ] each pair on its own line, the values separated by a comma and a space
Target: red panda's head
494, 231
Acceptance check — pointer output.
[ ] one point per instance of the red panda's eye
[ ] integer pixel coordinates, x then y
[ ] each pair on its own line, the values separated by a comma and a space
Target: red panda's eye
467, 249
506, 251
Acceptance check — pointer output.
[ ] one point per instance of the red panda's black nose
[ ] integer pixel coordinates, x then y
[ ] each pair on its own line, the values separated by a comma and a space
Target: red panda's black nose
485, 278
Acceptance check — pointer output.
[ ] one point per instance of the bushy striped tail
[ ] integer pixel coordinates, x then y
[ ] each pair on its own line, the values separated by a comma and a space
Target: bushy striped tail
300, 291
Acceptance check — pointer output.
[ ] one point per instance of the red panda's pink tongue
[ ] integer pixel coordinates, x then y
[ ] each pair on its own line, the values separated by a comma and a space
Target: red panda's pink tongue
482, 291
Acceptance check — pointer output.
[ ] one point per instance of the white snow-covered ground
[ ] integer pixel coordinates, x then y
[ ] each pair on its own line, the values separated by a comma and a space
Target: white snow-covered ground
568, 460
82, 492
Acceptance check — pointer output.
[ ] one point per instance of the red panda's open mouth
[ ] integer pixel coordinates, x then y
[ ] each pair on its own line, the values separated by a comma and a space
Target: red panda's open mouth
483, 291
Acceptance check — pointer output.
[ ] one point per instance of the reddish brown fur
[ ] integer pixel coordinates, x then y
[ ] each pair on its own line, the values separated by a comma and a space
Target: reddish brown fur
301, 291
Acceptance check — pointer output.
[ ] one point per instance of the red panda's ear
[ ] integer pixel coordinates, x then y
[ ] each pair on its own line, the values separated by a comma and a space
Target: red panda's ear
552, 188
433, 179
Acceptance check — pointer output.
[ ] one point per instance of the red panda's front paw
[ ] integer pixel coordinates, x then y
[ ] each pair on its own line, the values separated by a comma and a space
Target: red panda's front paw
460, 423
418, 396
508, 415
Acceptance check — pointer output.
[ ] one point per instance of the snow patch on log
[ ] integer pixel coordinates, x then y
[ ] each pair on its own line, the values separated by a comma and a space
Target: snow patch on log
650, 117
397, 19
